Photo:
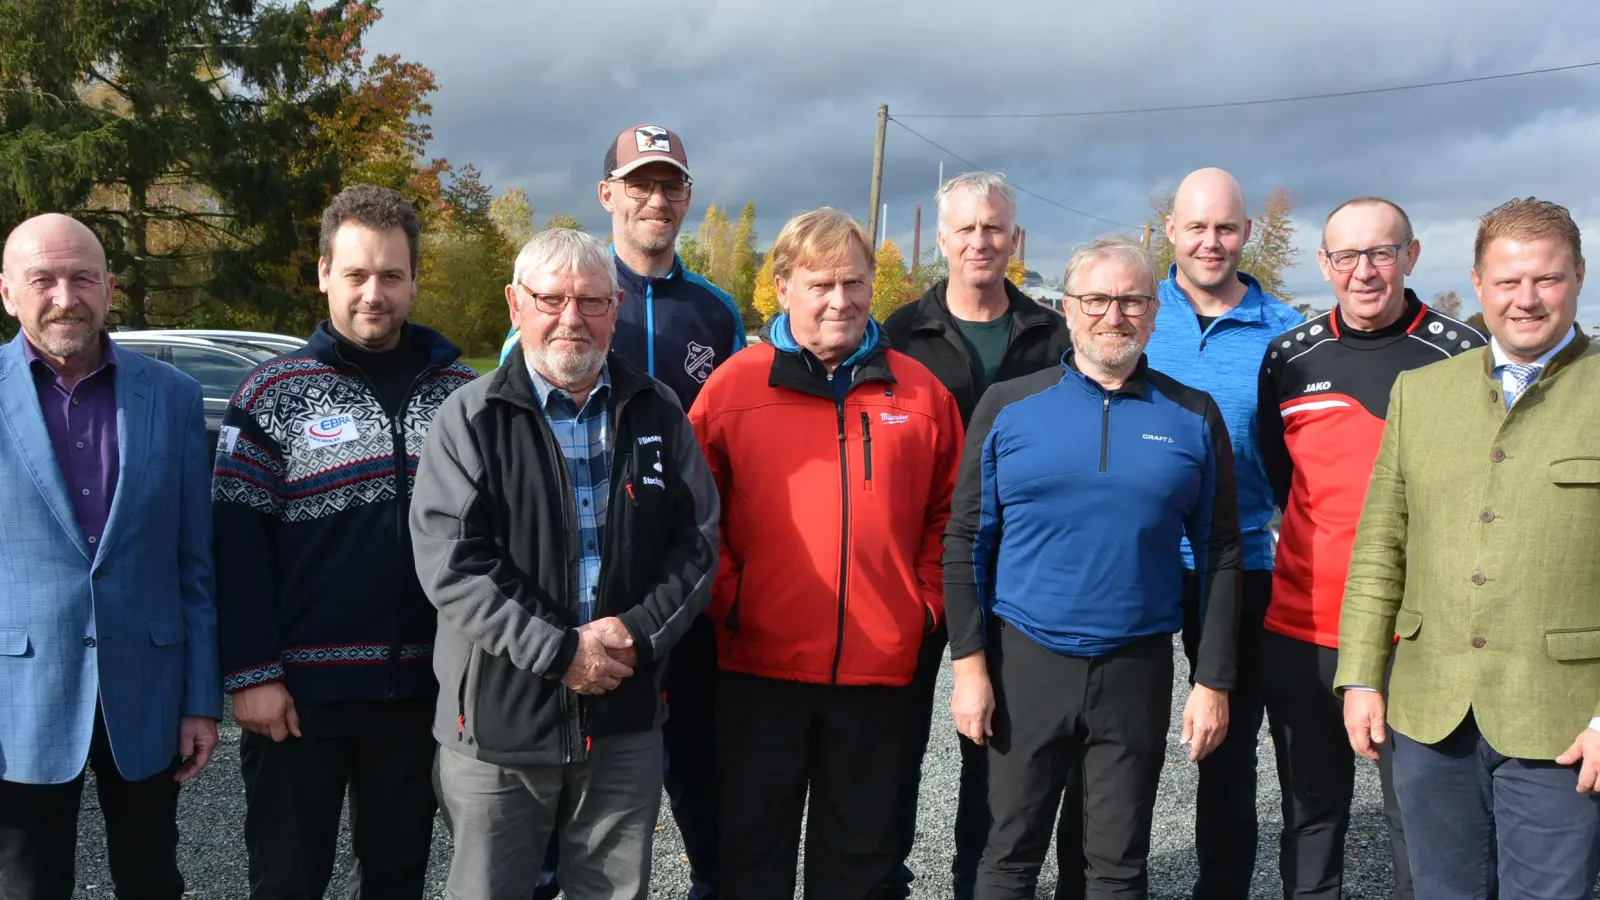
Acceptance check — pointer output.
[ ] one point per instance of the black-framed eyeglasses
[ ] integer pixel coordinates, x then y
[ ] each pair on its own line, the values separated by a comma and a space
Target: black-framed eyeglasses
556, 303
675, 190
1382, 256
1132, 305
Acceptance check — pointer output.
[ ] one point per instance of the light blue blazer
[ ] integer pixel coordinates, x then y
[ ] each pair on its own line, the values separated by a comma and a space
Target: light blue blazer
144, 594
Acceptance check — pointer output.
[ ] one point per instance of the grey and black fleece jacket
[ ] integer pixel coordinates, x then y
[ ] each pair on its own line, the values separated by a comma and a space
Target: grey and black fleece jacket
494, 531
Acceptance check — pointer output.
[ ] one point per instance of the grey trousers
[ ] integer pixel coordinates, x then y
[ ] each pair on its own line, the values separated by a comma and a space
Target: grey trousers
603, 811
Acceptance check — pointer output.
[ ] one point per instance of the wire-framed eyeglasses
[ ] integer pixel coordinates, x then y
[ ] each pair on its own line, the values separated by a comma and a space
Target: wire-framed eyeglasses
1132, 305
556, 303
1382, 256
676, 190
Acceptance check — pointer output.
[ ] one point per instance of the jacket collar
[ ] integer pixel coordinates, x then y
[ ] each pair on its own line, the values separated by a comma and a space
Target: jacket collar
1577, 343
1250, 308
1133, 387
631, 279
933, 309
797, 368
324, 346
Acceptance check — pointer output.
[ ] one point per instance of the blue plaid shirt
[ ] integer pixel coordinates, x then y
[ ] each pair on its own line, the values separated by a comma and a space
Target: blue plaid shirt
585, 439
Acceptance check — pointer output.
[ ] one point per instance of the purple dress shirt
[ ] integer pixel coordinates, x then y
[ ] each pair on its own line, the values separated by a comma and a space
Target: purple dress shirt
82, 422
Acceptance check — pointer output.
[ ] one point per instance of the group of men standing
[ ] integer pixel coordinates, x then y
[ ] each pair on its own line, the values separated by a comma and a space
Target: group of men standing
640, 555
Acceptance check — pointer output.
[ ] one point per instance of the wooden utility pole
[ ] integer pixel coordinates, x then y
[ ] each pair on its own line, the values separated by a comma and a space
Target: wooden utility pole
916, 241
1146, 239
877, 174
1022, 248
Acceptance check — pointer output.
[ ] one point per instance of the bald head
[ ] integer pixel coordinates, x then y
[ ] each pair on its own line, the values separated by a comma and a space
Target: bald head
53, 278
1208, 229
54, 232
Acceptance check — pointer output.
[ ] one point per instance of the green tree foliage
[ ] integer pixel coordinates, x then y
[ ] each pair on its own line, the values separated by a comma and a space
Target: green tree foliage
1268, 256
513, 215
563, 220
142, 115
466, 265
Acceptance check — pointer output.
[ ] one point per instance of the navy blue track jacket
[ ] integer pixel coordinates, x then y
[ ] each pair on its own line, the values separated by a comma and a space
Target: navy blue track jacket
1070, 509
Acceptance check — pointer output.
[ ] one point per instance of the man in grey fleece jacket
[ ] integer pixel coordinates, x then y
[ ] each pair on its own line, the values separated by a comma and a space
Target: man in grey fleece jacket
564, 523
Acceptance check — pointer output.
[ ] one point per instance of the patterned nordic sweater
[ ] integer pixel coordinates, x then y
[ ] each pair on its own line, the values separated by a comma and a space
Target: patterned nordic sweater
312, 487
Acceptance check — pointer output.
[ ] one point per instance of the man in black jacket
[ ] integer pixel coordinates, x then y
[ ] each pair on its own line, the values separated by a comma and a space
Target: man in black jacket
971, 330
565, 527
325, 633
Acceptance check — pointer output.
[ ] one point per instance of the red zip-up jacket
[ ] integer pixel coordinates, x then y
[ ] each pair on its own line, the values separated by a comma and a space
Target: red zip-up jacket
833, 513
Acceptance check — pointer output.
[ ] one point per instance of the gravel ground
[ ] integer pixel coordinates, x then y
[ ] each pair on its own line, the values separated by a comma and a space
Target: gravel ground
213, 859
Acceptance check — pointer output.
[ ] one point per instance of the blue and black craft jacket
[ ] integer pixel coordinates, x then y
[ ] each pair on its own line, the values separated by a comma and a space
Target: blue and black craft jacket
1070, 509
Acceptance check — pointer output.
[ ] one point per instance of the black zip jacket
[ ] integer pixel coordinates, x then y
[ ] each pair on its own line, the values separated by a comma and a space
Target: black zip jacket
495, 531
925, 331
310, 494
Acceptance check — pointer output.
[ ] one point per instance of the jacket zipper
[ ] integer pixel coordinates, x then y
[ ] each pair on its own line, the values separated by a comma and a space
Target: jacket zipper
401, 473
866, 440
571, 516
1105, 430
844, 537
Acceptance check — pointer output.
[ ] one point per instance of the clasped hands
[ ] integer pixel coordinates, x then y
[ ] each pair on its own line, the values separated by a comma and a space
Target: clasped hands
605, 656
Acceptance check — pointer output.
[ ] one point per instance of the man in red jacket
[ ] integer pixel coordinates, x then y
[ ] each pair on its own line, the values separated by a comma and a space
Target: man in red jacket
836, 459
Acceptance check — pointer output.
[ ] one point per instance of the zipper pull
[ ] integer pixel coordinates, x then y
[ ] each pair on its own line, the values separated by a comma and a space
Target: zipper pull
588, 744
461, 727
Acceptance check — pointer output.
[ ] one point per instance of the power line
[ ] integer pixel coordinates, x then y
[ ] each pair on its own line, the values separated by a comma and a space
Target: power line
1014, 186
1237, 103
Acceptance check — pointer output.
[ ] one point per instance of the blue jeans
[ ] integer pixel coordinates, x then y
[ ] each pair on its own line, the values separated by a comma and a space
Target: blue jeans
1475, 818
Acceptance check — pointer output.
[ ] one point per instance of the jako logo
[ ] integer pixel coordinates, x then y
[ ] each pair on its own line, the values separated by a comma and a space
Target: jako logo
1318, 386
1158, 437
332, 430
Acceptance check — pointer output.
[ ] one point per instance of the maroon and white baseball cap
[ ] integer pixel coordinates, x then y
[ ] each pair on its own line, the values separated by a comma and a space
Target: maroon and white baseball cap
642, 145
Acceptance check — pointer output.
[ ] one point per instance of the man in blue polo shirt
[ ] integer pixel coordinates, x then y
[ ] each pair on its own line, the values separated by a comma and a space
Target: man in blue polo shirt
1211, 333
678, 327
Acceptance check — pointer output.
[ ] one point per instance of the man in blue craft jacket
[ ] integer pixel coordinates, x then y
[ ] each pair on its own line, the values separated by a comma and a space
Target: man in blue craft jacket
678, 327
1064, 582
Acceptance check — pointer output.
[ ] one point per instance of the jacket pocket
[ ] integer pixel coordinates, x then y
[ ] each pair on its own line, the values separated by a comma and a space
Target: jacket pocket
167, 632
1573, 645
1407, 623
1576, 470
13, 642
731, 620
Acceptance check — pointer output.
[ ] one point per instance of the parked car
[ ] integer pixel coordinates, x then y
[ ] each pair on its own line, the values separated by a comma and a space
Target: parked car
219, 365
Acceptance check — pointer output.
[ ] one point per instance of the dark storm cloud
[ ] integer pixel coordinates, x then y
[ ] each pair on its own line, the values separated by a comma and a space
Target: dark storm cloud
777, 103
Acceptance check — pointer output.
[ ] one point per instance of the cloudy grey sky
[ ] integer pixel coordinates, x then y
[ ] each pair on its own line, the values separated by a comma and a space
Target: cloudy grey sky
777, 103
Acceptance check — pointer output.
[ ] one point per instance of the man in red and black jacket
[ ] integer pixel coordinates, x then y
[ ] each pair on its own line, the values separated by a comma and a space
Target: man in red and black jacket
1324, 395
835, 458
326, 636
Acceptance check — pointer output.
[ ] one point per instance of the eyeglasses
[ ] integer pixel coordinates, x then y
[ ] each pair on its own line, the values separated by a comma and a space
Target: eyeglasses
1132, 305
676, 190
1382, 256
556, 303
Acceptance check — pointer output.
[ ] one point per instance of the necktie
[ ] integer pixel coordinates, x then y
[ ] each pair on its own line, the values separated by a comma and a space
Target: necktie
1521, 377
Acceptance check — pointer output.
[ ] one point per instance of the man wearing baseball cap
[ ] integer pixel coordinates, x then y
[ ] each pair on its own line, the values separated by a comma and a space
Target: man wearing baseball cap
678, 327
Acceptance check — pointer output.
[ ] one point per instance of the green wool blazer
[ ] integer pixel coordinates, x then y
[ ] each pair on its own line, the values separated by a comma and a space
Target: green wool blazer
1479, 546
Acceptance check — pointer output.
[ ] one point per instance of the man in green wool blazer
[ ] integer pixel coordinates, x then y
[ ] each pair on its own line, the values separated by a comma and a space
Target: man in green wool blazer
1479, 547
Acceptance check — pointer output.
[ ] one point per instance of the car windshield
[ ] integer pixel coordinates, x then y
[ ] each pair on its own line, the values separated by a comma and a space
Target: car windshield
218, 371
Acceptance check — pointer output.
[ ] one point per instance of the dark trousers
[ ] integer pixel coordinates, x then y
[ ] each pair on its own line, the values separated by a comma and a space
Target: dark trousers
689, 770
1475, 818
1110, 713
382, 753
1225, 804
1316, 770
778, 739
39, 832
972, 797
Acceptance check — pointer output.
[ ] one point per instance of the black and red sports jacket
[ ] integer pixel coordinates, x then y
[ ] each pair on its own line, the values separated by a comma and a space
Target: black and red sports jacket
1324, 397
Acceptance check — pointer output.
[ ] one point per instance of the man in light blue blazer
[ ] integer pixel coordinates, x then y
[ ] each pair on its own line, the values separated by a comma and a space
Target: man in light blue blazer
108, 656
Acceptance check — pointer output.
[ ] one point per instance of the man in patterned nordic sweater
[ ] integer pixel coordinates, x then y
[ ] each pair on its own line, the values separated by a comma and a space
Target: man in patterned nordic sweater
326, 635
